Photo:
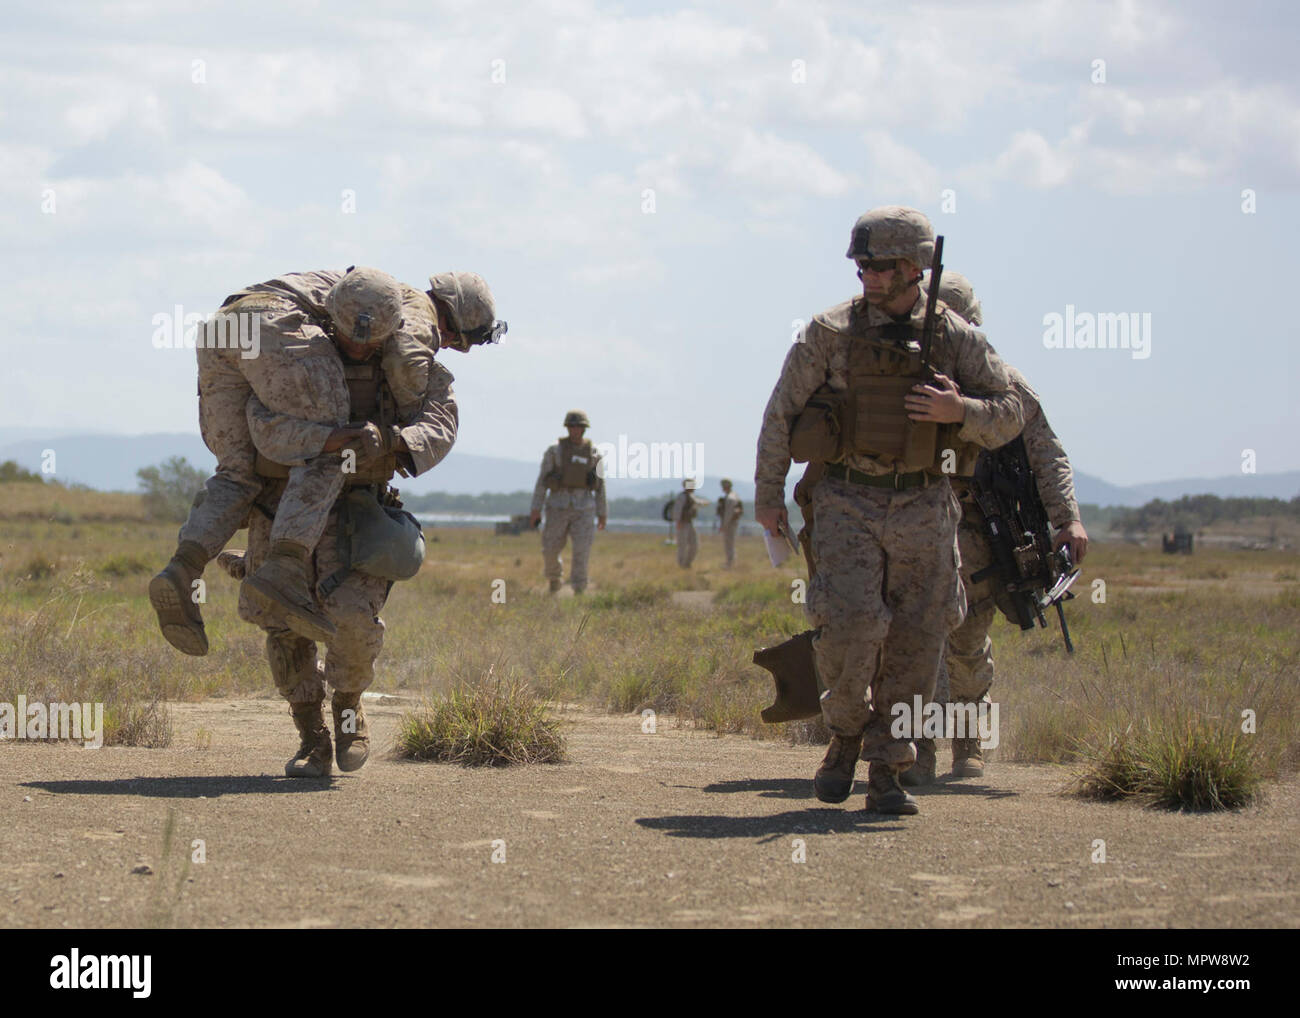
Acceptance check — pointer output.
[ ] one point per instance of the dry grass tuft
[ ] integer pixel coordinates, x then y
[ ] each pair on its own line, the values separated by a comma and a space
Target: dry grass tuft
488, 725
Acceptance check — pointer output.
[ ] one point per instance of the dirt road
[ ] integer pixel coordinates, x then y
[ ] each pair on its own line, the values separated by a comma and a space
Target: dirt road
675, 828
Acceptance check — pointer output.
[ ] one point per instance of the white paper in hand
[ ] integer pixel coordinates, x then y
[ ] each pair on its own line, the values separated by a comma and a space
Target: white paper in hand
778, 550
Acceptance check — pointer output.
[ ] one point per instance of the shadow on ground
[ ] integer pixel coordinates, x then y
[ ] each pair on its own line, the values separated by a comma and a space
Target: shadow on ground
961, 786
207, 786
810, 821
802, 788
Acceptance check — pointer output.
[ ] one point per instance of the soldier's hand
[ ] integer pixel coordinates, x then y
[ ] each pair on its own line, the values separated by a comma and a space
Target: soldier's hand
341, 438
370, 444
1077, 538
940, 402
772, 519
600, 522
534, 518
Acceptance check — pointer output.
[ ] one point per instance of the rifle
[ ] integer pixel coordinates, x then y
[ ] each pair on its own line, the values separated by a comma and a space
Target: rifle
931, 300
1033, 575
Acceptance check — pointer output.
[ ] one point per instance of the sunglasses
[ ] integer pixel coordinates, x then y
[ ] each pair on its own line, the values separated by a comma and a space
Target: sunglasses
877, 265
490, 333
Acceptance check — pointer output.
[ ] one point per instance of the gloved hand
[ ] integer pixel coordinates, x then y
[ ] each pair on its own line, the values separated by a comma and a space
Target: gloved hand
369, 444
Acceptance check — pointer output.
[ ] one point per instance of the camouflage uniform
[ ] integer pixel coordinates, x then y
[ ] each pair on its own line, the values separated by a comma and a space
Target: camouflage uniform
428, 428
729, 512
688, 541
969, 658
297, 374
886, 592
571, 513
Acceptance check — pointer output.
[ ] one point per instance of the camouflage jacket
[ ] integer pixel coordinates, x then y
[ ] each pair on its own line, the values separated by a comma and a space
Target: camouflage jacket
421, 387
567, 498
1047, 457
821, 357
680, 504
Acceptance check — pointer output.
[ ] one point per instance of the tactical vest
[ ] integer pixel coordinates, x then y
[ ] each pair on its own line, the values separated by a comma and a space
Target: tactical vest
576, 467
884, 364
868, 418
371, 401
689, 508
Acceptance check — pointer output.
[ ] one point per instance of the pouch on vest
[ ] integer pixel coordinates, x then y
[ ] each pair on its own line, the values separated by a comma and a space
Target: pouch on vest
876, 422
386, 542
816, 435
377, 540
964, 454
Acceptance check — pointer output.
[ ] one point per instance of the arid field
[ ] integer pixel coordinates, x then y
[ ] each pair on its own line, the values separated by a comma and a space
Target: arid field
695, 823
1170, 641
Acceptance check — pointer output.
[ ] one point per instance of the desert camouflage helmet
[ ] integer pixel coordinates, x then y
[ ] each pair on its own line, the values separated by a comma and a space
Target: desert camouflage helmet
690, 484
576, 419
955, 291
893, 231
365, 305
468, 297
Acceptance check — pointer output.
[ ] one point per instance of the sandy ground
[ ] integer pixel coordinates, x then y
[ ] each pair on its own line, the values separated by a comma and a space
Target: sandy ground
676, 828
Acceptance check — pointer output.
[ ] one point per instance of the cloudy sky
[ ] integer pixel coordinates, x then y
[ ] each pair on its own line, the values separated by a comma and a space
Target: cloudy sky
657, 192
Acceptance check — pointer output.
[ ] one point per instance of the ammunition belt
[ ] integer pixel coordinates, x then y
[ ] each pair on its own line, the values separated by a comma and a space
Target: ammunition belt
915, 479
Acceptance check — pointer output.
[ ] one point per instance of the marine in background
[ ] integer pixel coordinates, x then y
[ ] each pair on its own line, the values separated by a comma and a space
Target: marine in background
685, 509
729, 512
571, 488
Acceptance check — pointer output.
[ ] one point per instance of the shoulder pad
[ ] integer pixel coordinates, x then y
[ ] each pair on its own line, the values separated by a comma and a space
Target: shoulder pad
841, 318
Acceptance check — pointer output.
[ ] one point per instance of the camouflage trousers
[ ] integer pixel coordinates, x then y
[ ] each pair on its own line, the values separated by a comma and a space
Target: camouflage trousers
353, 607
729, 541
967, 670
226, 380
885, 596
562, 524
688, 544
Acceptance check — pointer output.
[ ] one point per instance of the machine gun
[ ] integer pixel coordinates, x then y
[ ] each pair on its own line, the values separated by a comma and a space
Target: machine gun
1027, 570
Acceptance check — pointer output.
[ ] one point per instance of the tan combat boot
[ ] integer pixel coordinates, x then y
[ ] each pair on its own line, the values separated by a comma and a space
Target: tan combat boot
171, 593
967, 758
314, 756
281, 586
351, 733
922, 772
885, 794
834, 780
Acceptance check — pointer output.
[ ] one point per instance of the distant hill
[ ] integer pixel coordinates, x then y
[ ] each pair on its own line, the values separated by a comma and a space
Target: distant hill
109, 462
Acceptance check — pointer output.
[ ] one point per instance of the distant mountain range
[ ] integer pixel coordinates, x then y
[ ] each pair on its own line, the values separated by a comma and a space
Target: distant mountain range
109, 463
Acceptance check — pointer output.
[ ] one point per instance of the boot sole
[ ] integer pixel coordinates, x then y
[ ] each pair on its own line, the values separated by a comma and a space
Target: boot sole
347, 767
967, 771
824, 796
306, 625
906, 809
290, 773
182, 632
